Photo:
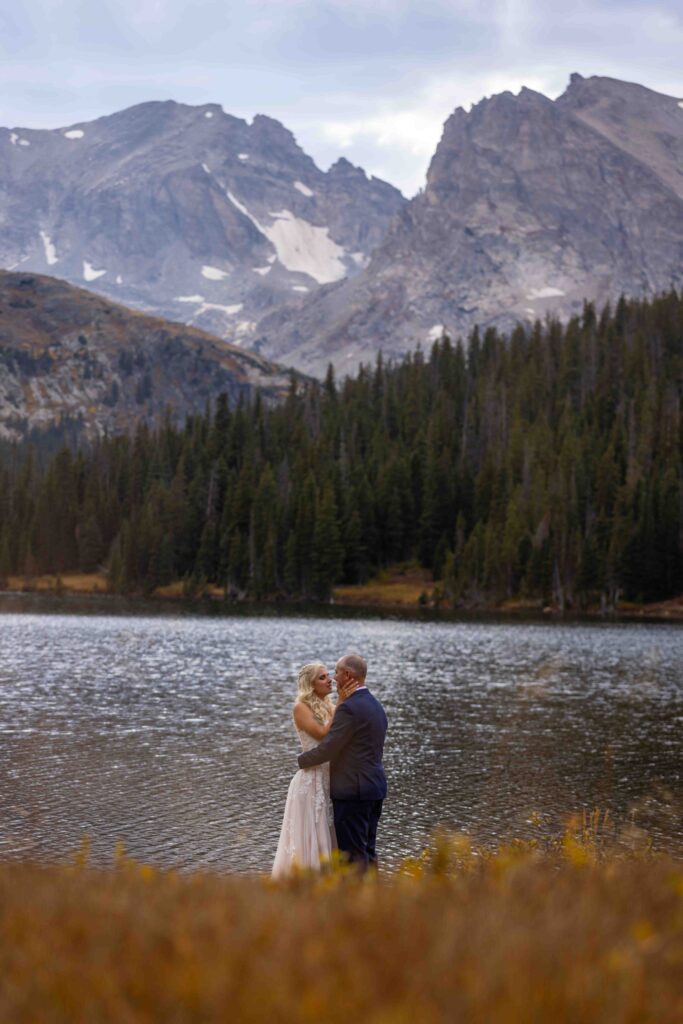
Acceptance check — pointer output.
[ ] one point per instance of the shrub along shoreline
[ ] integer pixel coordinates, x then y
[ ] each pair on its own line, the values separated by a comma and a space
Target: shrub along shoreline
575, 933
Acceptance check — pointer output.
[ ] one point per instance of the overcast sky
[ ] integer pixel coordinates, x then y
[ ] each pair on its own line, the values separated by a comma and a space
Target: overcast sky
370, 79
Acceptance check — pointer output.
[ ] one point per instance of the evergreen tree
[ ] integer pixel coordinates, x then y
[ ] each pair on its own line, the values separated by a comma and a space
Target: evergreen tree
90, 545
327, 554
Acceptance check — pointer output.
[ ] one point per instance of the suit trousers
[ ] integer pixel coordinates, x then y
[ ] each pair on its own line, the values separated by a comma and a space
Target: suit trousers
355, 822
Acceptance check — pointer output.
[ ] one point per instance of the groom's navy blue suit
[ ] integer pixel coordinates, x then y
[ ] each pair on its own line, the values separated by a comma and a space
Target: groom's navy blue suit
354, 747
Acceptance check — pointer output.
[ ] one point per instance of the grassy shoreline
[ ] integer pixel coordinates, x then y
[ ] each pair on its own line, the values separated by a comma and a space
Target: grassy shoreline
404, 591
564, 936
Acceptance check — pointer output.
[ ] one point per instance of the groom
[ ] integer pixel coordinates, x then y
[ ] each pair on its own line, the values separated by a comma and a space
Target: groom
354, 746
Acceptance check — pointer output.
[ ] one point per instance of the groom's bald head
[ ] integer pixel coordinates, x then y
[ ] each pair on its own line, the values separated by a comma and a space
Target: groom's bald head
354, 665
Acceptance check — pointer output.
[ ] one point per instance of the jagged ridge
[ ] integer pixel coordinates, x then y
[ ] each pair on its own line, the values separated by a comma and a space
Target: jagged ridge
531, 206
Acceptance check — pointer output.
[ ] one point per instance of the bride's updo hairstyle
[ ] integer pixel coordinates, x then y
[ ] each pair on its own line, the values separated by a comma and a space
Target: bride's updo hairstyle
322, 707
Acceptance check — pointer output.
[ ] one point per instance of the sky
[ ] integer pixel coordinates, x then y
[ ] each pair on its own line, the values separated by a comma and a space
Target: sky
371, 80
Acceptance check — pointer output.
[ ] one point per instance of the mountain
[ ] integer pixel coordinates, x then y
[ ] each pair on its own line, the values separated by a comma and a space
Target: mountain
186, 212
66, 354
531, 206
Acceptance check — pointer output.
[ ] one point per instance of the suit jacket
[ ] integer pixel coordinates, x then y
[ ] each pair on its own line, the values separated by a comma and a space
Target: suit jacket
354, 747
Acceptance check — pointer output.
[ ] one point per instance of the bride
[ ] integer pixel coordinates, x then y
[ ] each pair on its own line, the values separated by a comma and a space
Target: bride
307, 836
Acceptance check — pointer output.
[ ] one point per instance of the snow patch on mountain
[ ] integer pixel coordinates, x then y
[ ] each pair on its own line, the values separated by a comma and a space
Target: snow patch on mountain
229, 310
208, 113
547, 292
204, 307
89, 272
301, 247
262, 270
50, 252
300, 288
305, 248
242, 208
304, 189
213, 273
242, 156
74, 133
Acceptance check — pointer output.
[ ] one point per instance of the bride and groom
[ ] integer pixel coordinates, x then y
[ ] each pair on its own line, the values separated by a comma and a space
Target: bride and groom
342, 748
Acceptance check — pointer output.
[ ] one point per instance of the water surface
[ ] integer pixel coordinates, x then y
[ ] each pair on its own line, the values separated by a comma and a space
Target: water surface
172, 733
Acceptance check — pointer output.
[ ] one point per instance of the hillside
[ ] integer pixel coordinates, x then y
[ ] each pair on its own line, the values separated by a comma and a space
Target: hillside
66, 354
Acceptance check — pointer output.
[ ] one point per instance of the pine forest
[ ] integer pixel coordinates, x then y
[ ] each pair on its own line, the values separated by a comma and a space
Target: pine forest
545, 465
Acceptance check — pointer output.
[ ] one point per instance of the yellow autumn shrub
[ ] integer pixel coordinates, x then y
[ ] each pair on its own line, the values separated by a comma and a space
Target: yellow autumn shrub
565, 933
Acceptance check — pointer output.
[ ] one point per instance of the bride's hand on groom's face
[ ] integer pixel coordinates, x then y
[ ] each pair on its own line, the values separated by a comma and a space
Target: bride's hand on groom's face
345, 690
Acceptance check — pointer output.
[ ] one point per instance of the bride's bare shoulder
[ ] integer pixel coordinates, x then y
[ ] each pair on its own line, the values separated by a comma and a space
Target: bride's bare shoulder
300, 712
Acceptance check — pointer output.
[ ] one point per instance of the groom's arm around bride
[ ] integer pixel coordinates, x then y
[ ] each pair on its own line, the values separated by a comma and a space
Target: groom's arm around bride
354, 748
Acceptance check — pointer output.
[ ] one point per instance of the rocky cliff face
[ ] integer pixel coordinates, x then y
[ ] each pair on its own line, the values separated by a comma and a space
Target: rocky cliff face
531, 206
186, 212
66, 354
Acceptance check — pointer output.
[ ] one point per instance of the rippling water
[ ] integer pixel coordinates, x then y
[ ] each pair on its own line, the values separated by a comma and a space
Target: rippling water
173, 734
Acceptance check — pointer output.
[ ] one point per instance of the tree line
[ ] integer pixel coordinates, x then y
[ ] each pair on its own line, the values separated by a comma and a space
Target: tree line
545, 464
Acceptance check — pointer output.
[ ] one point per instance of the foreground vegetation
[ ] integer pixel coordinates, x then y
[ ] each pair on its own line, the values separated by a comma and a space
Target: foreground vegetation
545, 466
568, 935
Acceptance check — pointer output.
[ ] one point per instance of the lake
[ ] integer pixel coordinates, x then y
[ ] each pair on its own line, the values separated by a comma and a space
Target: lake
172, 732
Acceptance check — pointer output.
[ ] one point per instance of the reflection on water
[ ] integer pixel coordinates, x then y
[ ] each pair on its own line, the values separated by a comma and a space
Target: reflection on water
172, 733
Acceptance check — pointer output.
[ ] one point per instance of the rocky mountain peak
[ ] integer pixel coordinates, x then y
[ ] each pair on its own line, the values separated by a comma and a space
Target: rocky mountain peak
496, 131
344, 168
273, 133
645, 124
187, 212
532, 206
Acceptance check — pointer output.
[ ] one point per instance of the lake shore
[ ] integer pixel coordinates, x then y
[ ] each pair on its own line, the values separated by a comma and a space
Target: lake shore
408, 592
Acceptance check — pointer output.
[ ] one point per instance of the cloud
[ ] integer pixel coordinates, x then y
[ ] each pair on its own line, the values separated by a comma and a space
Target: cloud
412, 126
374, 79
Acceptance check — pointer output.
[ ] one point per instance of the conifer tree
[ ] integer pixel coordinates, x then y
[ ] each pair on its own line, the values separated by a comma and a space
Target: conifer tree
327, 555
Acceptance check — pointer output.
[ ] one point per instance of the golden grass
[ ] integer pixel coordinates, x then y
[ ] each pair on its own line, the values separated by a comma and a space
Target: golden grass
75, 583
174, 590
379, 594
397, 586
97, 583
178, 590
517, 937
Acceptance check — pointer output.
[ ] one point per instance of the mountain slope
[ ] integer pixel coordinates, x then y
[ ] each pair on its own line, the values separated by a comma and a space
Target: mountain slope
186, 212
641, 122
68, 354
531, 206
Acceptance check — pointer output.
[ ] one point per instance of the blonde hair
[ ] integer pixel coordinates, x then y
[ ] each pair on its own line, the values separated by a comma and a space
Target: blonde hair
322, 707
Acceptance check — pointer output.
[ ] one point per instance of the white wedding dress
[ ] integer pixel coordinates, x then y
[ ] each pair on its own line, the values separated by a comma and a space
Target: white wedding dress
307, 834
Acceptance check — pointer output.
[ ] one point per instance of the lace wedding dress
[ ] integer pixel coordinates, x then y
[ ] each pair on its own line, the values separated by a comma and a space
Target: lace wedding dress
307, 835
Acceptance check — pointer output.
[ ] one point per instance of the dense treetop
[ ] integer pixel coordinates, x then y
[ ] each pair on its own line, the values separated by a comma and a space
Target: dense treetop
547, 464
